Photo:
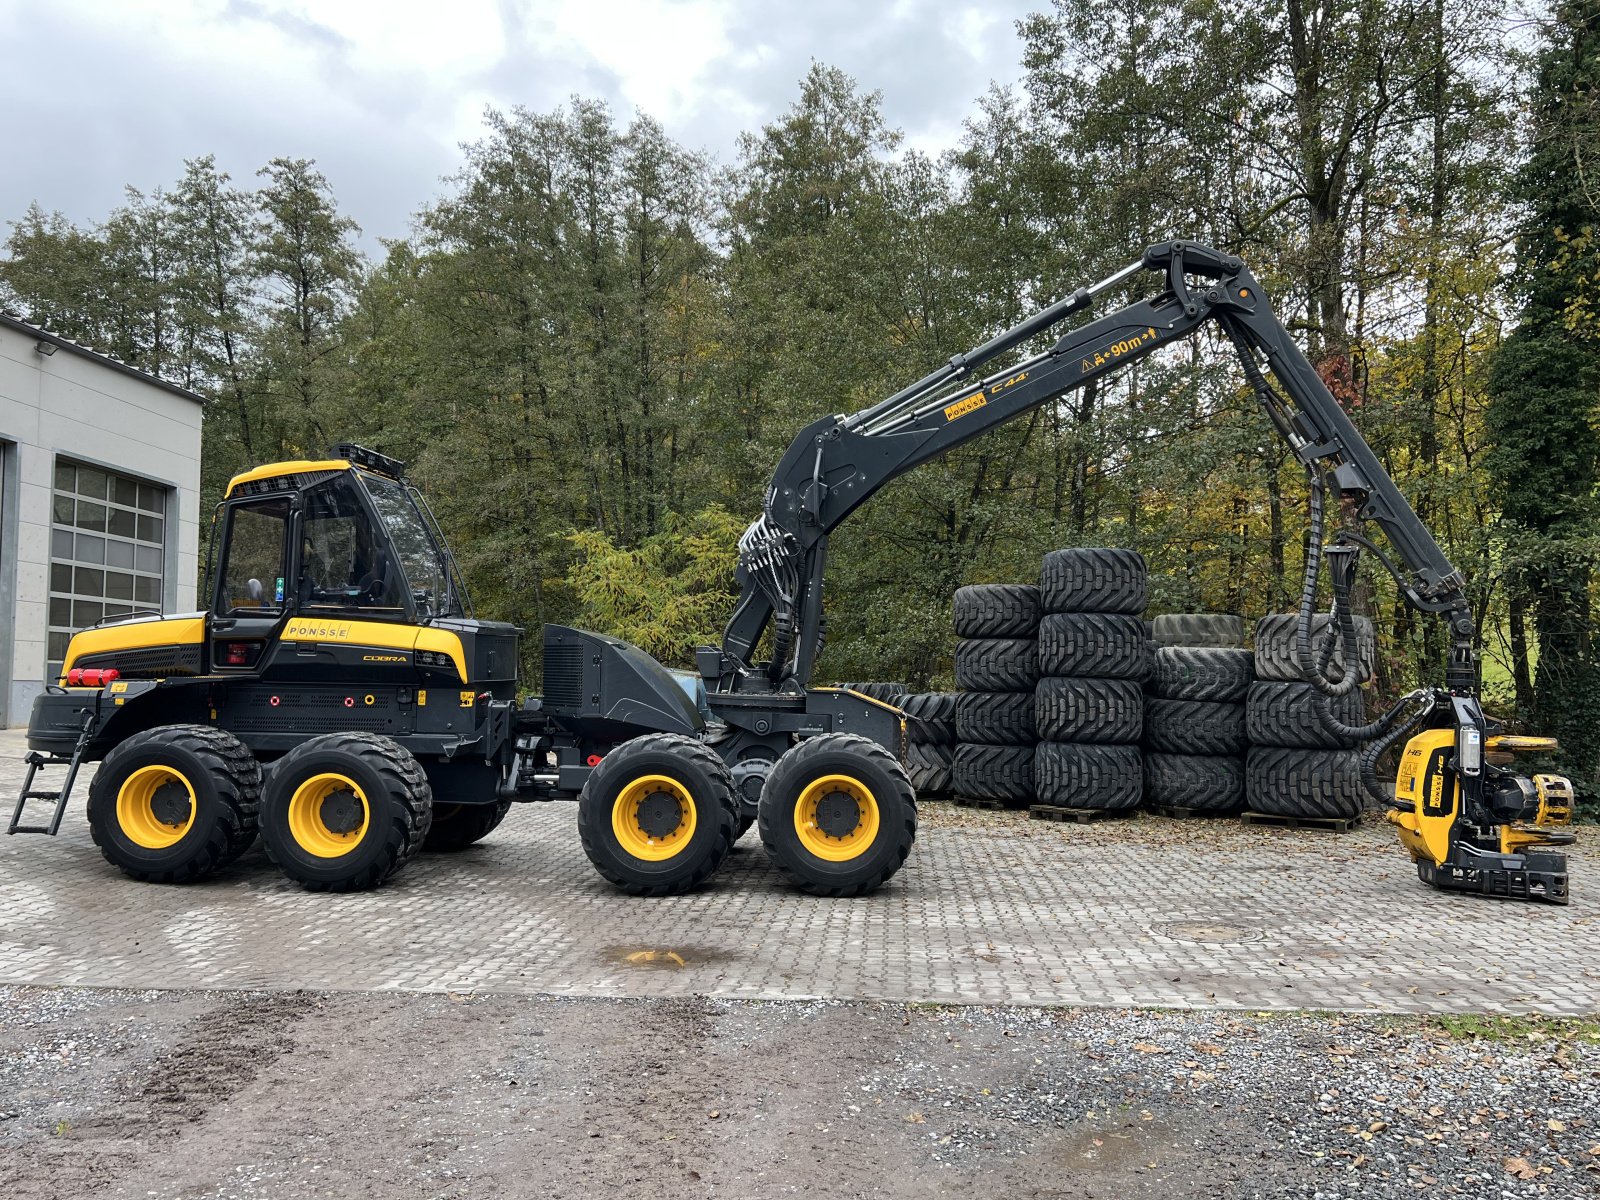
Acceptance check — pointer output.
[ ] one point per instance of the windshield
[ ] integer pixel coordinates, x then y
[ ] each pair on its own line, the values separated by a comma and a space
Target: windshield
344, 563
426, 566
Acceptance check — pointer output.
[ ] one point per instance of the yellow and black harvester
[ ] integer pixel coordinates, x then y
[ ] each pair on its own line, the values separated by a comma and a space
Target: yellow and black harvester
338, 696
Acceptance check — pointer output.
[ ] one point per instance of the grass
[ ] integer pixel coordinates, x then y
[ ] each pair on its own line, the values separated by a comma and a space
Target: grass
1486, 1027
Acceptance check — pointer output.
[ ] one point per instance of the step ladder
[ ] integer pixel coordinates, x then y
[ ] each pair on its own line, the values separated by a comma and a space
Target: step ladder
35, 760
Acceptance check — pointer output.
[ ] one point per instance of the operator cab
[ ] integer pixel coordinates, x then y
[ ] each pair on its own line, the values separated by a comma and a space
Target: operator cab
341, 538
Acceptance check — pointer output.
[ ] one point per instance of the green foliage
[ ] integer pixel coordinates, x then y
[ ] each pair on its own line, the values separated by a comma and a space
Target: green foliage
1545, 456
669, 594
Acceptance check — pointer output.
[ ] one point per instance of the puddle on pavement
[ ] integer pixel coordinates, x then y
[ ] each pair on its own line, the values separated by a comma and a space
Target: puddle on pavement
666, 958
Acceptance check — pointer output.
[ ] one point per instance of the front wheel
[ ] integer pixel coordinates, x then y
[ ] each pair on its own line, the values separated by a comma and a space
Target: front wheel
838, 815
345, 811
658, 815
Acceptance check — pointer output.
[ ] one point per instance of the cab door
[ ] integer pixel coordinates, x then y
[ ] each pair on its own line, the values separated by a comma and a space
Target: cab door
253, 584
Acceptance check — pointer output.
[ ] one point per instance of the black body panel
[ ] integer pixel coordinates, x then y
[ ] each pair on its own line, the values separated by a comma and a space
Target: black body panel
607, 690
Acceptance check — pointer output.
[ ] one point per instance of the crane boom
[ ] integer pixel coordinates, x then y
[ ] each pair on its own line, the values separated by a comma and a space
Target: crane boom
838, 462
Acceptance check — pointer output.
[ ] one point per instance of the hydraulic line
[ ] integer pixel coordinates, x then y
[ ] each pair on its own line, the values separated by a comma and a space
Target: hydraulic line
1342, 626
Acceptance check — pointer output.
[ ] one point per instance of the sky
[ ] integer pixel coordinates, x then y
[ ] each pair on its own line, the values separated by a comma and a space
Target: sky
96, 94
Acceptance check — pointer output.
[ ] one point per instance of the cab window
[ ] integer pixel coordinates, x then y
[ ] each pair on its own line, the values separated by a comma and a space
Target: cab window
253, 573
345, 564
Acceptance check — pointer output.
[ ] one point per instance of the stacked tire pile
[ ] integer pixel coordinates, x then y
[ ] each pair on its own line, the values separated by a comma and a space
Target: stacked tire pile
1094, 653
997, 666
1194, 724
930, 740
1297, 767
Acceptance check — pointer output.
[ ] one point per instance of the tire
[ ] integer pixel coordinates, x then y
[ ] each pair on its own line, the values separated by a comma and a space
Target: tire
1276, 657
457, 826
1198, 629
872, 796
391, 800
1205, 783
1303, 783
993, 773
1093, 580
928, 767
1285, 714
930, 718
214, 817
996, 718
997, 664
995, 610
658, 839
1075, 775
1089, 710
1098, 645
1201, 673
889, 693
1194, 727
749, 777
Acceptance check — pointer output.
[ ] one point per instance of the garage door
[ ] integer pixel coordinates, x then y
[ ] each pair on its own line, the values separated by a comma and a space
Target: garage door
107, 551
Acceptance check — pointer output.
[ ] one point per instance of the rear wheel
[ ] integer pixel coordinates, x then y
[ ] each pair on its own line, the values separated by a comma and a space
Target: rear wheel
658, 815
838, 815
457, 826
345, 811
175, 804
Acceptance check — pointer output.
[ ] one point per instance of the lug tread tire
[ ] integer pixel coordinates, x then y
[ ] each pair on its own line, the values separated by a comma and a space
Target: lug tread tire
1093, 580
1089, 710
1096, 645
993, 772
996, 718
1194, 727
457, 826
1285, 714
1303, 783
409, 820
1077, 775
897, 815
997, 664
1205, 783
929, 768
996, 610
234, 778
1276, 658
930, 718
1201, 673
1198, 629
721, 815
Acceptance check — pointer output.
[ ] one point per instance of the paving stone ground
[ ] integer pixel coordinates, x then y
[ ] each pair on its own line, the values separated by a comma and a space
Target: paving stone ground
991, 908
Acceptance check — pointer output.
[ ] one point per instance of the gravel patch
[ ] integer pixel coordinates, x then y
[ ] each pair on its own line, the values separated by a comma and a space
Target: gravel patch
289, 1094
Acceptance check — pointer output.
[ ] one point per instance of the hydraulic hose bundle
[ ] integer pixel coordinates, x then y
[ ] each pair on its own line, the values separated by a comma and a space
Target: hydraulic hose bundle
1407, 715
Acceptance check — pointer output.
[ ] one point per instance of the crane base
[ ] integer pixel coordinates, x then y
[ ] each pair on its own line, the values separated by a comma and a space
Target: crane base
1539, 876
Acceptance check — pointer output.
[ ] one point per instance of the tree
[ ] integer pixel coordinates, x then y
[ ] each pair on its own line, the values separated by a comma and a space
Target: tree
303, 254
1546, 456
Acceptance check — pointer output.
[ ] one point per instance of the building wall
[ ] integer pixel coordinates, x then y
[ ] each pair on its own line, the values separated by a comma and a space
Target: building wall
69, 405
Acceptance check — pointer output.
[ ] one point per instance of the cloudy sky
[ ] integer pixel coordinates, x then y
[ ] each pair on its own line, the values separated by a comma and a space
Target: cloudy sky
101, 93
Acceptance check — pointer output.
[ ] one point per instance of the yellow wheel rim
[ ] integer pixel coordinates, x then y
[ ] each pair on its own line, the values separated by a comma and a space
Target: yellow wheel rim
322, 818
654, 818
836, 818
155, 807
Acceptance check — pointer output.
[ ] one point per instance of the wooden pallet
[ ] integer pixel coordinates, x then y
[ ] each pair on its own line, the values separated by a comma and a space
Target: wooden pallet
1081, 816
1178, 813
982, 802
1327, 824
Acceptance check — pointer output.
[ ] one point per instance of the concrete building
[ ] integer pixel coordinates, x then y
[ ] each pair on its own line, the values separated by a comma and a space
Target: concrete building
99, 500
